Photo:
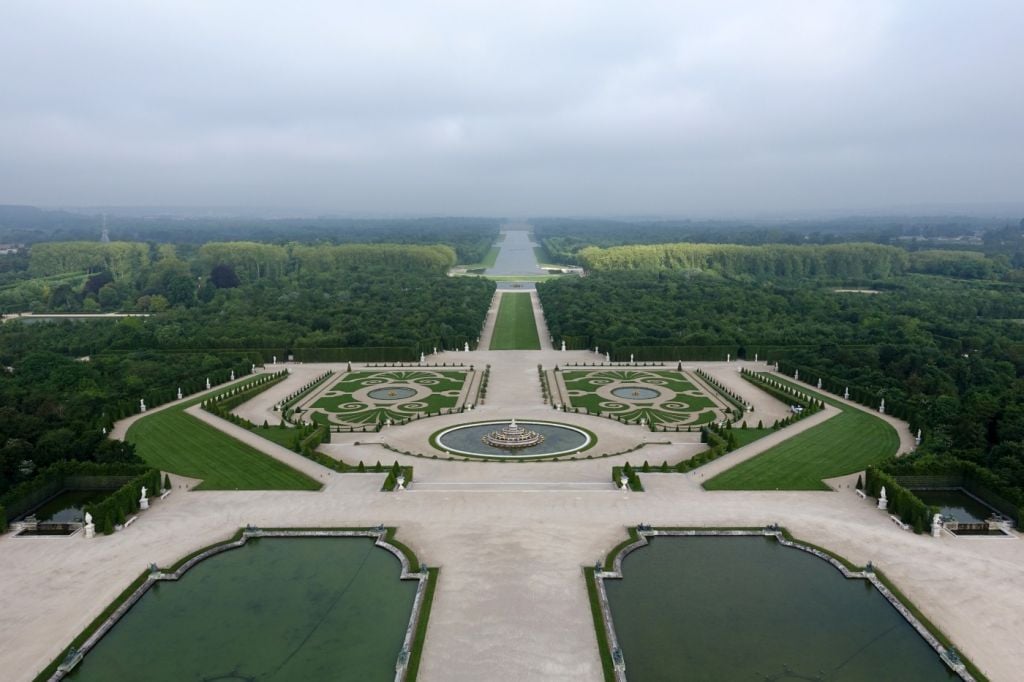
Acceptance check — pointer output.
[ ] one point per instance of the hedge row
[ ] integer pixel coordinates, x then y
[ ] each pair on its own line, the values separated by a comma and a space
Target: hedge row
50, 481
783, 393
114, 509
902, 502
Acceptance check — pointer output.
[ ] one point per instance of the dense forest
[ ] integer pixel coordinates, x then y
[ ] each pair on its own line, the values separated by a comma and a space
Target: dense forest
947, 355
214, 308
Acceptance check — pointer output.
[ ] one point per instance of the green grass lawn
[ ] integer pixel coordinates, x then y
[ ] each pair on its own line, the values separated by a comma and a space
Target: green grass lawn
846, 443
174, 441
515, 328
748, 435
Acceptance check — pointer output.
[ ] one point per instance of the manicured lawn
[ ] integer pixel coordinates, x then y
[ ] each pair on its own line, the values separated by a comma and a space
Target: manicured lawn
515, 328
174, 441
748, 435
846, 443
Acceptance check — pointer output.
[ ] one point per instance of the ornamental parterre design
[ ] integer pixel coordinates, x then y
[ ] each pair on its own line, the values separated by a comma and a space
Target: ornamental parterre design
664, 397
368, 397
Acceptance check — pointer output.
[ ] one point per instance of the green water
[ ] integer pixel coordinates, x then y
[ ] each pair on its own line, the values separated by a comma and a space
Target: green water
748, 608
69, 505
962, 507
275, 609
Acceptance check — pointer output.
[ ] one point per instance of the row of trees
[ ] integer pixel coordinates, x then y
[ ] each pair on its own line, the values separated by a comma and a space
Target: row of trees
772, 261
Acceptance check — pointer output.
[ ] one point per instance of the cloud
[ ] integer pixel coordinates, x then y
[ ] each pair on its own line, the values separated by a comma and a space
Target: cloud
529, 107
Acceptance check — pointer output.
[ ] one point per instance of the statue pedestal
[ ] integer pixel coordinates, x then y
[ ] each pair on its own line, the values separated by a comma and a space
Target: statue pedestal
883, 504
90, 530
144, 503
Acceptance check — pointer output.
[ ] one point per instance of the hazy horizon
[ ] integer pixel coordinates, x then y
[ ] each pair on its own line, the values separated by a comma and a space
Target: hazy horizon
750, 110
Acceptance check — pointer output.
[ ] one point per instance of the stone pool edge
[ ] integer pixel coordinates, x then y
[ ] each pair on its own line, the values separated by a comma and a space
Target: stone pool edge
407, 665
612, 661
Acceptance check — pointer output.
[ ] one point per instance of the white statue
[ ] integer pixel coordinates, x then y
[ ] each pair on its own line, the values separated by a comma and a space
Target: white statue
275, 359
252, 369
232, 375
423, 358
88, 519
937, 525
819, 383
90, 527
179, 392
846, 393
917, 439
207, 383
631, 358
597, 351
755, 357
143, 500
142, 405
624, 481
607, 357
643, 421
796, 375
728, 357
466, 347
883, 501
435, 350
563, 345
881, 407
400, 480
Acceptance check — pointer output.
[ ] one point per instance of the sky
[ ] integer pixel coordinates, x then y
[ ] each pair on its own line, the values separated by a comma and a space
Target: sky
709, 109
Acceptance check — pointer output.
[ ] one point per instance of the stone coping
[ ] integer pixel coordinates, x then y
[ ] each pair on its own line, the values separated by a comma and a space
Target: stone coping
380, 534
644, 532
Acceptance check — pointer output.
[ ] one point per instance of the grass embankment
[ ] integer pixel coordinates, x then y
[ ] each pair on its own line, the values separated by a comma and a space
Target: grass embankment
174, 441
515, 328
844, 444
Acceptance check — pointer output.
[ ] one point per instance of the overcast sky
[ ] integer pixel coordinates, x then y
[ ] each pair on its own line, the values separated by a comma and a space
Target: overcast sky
513, 108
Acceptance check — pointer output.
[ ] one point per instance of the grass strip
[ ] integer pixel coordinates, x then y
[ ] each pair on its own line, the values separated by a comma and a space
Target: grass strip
607, 665
515, 327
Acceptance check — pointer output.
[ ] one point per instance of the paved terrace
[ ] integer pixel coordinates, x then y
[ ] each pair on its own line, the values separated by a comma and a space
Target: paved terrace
511, 540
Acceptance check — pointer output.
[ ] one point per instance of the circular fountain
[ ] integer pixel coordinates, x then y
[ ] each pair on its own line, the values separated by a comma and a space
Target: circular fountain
513, 437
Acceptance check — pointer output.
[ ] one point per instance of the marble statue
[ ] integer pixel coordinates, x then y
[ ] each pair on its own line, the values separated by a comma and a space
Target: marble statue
142, 405
143, 500
423, 358
275, 359
631, 358
90, 527
937, 525
883, 501
755, 357
88, 518
796, 375
917, 438
819, 383
846, 393
179, 392
207, 383
232, 375
881, 407
563, 345
728, 357
466, 347
607, 357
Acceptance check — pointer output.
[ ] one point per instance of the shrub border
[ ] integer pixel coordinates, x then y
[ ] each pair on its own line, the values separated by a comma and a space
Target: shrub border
407, 665
612, 662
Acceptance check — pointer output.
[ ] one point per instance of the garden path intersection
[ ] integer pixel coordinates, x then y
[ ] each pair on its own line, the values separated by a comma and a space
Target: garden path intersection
511, 539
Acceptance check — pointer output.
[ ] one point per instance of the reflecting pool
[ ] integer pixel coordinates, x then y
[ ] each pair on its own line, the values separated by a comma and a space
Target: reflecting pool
273, 609
749, 608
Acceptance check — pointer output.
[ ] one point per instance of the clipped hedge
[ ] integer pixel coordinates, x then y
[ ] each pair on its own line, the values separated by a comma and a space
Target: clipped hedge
115, 508
902, 502
51, 480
